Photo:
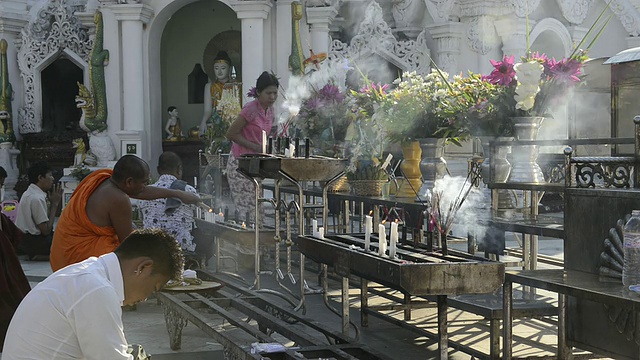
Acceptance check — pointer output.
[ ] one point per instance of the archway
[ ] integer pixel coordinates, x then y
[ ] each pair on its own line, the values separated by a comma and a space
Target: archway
59, 88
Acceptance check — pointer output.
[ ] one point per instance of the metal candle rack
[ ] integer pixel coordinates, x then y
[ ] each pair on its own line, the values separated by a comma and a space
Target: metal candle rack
296, 170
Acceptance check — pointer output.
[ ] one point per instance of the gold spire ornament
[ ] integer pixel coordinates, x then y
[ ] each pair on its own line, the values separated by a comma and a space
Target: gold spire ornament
6, 94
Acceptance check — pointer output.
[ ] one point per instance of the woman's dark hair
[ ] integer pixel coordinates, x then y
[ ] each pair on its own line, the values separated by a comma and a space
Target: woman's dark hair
171, 108
160, 246
265, 80
40, 168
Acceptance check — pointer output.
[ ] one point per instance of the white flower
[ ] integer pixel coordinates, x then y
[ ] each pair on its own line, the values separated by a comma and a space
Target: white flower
528, 77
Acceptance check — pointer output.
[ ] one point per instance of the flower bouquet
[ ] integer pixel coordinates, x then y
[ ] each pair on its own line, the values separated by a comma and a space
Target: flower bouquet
324, 118
417, 108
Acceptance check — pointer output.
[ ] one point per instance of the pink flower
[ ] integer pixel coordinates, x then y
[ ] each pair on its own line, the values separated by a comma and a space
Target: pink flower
503, 74
252, 93
566, 70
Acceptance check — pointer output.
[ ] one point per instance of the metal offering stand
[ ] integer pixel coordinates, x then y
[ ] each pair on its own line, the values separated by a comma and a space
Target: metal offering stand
297, 170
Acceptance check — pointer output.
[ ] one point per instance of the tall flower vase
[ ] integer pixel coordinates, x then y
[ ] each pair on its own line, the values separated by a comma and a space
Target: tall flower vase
432, 166
501, 168
410, 167
525, 168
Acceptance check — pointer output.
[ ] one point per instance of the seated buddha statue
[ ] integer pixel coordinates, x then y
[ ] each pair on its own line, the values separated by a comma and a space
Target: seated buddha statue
173, 129
224, 88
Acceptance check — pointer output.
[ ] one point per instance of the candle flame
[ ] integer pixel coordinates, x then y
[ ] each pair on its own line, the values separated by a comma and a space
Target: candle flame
396, 221
244, 225
370, 212
221, 213
383, 222
204, 206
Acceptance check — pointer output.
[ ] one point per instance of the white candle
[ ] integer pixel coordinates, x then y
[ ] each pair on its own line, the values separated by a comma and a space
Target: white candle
264, 142
382, 240
368, 227
314, 227
393, 240
386, 161
195, 181
292, 150
321, 232
287, 153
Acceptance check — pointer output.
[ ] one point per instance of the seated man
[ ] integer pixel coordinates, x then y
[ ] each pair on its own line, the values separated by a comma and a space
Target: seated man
98, 216
168, 214
76, 312
13, 283
35, 217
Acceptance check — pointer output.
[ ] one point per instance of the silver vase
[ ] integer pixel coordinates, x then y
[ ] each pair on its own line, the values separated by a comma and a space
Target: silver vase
501, 168
524, 167
432, 165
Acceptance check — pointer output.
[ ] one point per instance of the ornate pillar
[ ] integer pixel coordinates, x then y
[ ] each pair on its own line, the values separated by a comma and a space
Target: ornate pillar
132, 17
513, 32
252, 15
13, 18
319, 18
447, 38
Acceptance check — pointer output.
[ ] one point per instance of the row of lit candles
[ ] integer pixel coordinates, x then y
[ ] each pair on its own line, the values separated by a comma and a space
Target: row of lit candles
290, 149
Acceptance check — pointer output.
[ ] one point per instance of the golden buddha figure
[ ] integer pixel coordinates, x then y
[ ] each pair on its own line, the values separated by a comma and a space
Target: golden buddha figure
173, 129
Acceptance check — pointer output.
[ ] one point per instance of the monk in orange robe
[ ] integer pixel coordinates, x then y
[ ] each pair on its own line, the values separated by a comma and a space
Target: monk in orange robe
98, 216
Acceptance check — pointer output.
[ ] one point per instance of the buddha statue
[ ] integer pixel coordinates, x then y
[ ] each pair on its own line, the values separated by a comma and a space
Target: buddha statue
222, 97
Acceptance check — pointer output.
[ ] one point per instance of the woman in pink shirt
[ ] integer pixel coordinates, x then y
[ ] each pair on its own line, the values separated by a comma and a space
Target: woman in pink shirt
246, 134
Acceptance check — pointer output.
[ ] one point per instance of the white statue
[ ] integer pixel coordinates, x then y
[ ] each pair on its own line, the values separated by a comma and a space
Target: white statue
173, 129
213, 92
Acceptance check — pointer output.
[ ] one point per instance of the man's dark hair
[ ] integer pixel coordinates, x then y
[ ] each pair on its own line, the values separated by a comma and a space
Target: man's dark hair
265, 80
158, 245
37, 169
130, 166
3, 173
171, 108
169, 162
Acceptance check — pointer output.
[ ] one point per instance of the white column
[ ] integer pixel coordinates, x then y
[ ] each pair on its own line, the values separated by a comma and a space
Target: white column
447, 38
514, 36
13, 17
283, 41
319, 18
252, 15
132, 17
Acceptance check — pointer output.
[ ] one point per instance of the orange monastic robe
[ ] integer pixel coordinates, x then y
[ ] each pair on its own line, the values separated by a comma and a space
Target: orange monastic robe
76, 238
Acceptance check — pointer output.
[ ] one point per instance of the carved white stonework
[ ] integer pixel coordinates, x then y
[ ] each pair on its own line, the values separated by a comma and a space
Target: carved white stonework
374, 37
447, 38
481, 34
628, 14
514, 35
575, 11
102, 147
483, 7
408, 14
440, 10
524, 7
54, 31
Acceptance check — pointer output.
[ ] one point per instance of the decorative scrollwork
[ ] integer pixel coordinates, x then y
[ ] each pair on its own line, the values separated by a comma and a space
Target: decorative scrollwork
175, 323
587, 173
51, 32
375, 37
575, 11
606, 171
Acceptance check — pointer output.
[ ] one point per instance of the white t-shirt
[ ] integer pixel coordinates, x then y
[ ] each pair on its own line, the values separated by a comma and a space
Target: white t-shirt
75, 313
32, 210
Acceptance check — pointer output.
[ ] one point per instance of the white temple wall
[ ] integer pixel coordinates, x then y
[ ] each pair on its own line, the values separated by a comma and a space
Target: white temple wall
113, 77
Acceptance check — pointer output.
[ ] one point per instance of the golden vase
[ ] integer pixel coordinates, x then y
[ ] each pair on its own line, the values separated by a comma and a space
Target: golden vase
412, 153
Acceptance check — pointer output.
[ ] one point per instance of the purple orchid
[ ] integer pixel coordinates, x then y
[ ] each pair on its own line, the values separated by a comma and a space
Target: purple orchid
503, 73
331, 93
252, 93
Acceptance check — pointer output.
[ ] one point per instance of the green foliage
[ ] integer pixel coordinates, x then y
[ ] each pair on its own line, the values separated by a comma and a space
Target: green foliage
80, 172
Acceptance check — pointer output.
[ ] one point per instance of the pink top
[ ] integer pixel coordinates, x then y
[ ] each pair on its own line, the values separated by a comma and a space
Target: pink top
258, 119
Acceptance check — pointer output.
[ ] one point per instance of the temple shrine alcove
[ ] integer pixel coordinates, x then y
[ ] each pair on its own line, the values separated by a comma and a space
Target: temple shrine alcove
53, 57
59, 88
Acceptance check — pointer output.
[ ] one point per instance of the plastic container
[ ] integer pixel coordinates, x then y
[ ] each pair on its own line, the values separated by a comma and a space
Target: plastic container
631, 267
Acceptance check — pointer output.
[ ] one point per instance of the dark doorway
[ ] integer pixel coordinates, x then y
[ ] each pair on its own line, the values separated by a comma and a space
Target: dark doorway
59, 89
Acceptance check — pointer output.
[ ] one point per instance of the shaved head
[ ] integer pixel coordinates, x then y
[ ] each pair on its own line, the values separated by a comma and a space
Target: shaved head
130, 166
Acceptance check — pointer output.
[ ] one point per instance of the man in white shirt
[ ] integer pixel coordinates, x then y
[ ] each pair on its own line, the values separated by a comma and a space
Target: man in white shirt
35, 216
76, 313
